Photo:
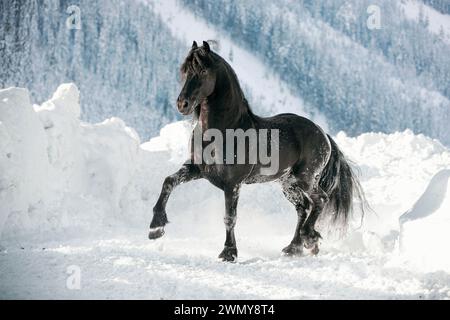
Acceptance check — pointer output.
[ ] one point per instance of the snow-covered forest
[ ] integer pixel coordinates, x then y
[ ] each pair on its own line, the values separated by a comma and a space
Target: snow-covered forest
364, 79
440, 5
89, 130
125, 58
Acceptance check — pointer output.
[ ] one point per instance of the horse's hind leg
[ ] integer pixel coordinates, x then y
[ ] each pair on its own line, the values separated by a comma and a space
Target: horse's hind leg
301, 187
186, 173
310, 237
293, 191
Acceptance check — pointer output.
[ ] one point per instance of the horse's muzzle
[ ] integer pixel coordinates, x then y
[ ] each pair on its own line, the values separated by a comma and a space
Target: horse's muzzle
183, 107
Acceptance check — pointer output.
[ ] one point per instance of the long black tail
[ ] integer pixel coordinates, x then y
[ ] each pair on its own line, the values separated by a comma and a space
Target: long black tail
341, 185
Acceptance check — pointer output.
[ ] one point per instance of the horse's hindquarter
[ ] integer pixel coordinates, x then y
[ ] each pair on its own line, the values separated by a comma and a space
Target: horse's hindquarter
301, 141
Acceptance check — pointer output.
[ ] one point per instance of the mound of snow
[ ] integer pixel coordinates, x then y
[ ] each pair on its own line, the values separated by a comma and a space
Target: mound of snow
58, 174
395, 169
23, 159
173, 138
424, 228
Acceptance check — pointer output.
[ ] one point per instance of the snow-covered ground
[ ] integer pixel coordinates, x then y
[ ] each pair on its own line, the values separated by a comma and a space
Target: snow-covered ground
78, 196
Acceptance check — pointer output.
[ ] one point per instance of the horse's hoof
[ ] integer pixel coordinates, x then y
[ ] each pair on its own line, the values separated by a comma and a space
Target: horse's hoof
293, 250
311, 240
315, 250
228, 254
156, 233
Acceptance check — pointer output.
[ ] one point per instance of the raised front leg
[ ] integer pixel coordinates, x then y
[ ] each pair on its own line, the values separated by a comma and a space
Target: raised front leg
186, 173
229, 252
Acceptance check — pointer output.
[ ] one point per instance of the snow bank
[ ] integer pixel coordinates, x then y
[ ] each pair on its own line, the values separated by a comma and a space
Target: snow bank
23, 162
424, 228
60, 175
57, 172
395, 171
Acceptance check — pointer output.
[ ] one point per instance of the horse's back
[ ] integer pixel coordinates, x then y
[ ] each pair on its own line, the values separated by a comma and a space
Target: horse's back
304, 131
288, 120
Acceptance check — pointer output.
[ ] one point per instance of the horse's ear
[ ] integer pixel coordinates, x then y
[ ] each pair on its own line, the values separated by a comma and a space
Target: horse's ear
206, 46
194, 45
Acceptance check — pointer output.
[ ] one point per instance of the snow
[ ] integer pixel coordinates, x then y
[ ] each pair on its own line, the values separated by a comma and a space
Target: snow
424, 227
80, 194
57, 168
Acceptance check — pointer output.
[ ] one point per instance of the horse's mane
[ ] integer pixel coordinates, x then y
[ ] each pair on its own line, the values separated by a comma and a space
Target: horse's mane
199, 59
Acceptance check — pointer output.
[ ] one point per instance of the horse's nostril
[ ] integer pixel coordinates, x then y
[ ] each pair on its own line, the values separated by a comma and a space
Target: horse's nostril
182, 104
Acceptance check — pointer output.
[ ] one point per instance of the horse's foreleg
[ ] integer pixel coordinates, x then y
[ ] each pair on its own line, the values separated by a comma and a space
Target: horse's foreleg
229, 252
187, 173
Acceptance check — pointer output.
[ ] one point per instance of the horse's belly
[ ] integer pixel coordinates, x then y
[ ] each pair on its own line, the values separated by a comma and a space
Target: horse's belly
225, 175
258, 177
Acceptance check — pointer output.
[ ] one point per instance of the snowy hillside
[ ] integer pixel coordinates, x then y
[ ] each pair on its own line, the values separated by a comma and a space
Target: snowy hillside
123, 57
360, 79
437, 22
312, 57
268, 94
79, 194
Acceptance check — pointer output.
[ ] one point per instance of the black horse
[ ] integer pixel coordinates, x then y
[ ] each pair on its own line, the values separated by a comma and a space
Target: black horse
313, 172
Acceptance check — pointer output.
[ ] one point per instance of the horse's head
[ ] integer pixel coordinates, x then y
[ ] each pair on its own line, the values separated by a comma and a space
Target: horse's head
199, 77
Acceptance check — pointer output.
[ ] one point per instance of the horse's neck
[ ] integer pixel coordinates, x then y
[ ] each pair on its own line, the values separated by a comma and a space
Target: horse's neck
223, 115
